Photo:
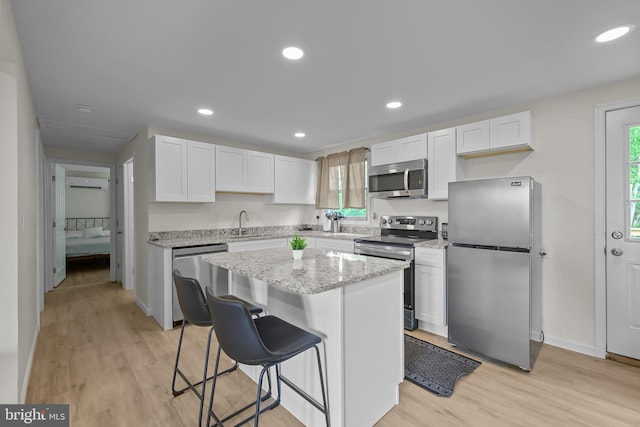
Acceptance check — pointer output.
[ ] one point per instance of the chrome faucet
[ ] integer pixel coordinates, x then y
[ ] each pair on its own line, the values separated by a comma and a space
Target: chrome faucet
246, 216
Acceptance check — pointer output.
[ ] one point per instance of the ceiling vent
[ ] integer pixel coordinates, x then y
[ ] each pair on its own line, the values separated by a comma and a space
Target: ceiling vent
93, 183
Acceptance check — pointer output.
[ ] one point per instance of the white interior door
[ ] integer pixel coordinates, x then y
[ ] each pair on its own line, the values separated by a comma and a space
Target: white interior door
119, 222
623, 231
129, 250
59, 250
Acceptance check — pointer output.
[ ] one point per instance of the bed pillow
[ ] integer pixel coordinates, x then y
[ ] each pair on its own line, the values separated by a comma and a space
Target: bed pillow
88, 233
74, 234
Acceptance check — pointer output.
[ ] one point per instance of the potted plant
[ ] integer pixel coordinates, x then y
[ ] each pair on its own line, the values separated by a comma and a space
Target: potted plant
297, 246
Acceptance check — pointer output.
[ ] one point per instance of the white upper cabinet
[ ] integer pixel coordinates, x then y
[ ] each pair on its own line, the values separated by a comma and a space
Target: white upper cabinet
444, 165
412, 148
473, 137
511, 131
201, 174
260, 173
399, 150
243, 171
231, 169
181, 170
295, 181
506, 134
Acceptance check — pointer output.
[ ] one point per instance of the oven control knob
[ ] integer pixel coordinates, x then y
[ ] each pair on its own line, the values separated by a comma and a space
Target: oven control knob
429, 222
390, 221
421, 222
384, 220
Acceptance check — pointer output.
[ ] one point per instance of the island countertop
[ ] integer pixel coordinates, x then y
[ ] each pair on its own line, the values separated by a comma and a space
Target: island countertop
317, 271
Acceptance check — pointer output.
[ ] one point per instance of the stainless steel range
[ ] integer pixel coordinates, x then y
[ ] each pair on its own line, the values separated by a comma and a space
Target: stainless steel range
397, 240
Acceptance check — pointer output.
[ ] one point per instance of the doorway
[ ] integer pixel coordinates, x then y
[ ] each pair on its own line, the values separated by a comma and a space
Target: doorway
79, 207
617, 267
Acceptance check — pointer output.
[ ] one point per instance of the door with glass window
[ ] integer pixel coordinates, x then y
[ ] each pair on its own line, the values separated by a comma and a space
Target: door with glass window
623, 231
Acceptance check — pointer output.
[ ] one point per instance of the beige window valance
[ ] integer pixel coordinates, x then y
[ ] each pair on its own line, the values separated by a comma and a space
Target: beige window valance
348, 166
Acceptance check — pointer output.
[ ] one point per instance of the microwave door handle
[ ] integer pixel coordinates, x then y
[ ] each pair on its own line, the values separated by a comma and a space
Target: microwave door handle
406, 180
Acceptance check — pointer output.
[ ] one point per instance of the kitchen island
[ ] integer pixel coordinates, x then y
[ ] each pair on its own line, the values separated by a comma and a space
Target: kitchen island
354, 303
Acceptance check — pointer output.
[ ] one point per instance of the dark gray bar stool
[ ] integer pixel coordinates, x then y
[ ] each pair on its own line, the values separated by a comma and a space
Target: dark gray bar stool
266, 341
196, 311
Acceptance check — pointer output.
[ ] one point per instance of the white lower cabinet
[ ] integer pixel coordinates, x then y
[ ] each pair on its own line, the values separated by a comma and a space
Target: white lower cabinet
338, 245
250, 245
431, 290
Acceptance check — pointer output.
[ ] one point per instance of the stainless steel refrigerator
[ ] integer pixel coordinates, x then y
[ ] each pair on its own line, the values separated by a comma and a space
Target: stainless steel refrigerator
494, 269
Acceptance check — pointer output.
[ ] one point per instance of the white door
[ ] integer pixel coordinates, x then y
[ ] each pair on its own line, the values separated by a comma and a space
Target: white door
623, 231
59, 249
119, 221
129, 242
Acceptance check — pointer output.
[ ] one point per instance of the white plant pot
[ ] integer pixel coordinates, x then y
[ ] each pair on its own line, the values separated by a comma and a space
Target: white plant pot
297, 253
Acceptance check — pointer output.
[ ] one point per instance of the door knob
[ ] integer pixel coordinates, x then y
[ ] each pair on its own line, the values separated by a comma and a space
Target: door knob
616, 252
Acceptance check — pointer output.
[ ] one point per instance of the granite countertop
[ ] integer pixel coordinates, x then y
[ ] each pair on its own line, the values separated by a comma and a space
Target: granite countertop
209, 240
317, 271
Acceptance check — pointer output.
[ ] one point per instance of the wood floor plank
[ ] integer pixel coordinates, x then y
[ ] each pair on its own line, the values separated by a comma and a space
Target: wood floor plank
98, 352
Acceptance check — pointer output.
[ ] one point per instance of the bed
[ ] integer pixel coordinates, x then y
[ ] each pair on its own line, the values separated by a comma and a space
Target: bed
87, 237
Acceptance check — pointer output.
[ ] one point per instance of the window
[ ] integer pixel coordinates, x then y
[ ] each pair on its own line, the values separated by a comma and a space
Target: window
351, 213
634, 183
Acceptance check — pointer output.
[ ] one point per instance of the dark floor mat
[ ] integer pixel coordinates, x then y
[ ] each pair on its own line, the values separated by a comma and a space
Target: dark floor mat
433, 367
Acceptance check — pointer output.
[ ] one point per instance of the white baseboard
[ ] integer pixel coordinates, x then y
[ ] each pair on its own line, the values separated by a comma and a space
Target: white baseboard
144, 308
571, 346
27, 371
435, 329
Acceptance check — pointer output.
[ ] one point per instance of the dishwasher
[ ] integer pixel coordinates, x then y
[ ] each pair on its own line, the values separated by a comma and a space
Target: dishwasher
188, 261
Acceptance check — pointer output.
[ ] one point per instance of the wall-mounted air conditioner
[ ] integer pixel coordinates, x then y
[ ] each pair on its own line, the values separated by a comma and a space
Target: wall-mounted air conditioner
93, 183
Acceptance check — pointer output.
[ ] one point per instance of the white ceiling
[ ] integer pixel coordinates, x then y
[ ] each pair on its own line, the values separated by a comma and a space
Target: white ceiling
155, 62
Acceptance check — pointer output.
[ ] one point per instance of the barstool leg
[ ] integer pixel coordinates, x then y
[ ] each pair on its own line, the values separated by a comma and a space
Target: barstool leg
175, 369
324, 394
213, 390
204, 376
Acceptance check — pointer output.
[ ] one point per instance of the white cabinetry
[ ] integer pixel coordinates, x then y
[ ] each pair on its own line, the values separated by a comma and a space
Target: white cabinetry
250, 245
243, 171
506, 134
338, 245
431, 293
181, 170
473, 137
295, 181
444, 165
399, 150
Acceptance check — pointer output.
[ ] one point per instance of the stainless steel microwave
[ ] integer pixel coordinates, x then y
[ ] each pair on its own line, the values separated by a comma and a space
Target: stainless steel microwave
404, 179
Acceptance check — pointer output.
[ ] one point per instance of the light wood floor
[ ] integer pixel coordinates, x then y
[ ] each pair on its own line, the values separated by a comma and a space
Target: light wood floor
86, 271
98, 352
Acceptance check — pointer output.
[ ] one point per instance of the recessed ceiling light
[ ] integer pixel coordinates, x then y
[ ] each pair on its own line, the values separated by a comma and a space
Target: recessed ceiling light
86, 109
299, 134
394, 104
614, 33
292, 52
205, 111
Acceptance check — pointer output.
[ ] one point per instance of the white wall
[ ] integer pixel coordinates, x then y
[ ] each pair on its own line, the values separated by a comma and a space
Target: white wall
86, 203
18, 299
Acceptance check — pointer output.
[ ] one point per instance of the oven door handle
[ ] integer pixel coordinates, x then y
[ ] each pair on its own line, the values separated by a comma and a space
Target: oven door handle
385, 252
406, 180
